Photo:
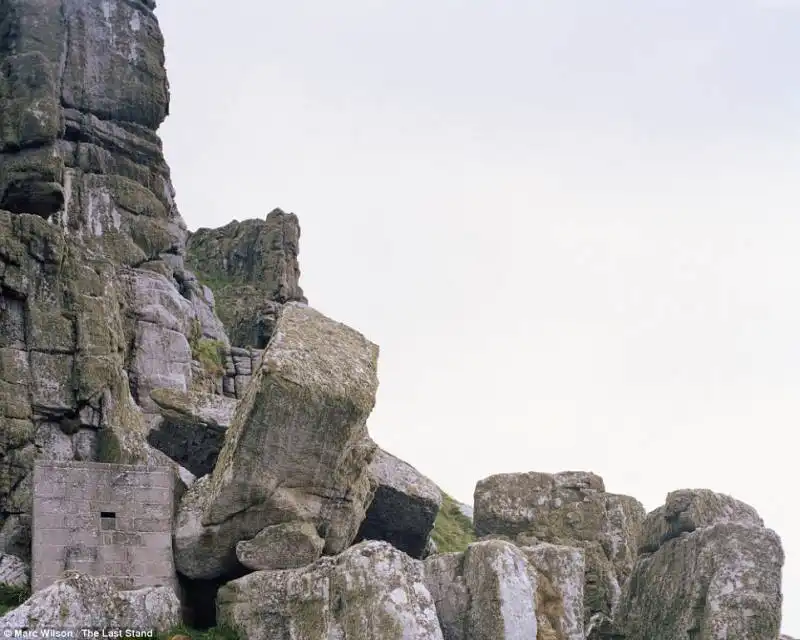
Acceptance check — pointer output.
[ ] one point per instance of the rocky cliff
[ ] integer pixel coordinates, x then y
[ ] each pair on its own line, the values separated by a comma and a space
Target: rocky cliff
252, 268
290, 522
96, 308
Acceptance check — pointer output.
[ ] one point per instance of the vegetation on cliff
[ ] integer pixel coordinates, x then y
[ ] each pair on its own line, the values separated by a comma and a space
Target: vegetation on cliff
452, 531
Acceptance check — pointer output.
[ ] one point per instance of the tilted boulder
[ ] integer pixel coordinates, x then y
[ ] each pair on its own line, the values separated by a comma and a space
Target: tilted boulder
372, 590
569, 508
715, 574
281, 546
404, 507
253, 268
297, 449
80, 601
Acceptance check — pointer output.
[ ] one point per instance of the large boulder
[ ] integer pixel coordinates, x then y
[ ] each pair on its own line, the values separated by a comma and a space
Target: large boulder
404, 507
281, 546
498, 591
372, 590
297, 449
80, 601
715, 573
253, 269
570, 508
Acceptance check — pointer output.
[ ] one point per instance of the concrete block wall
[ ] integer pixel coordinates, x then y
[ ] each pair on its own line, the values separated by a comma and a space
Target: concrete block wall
103, 520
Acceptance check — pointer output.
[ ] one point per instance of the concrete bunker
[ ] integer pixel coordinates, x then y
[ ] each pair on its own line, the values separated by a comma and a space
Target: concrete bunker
102, 520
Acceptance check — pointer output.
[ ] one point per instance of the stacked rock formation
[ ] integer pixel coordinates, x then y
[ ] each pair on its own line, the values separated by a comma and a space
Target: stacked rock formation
291, 522
724, 571
253, 268
570, 508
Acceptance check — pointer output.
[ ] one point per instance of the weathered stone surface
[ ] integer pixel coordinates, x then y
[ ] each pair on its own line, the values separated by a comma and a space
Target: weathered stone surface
690, 509
371, 590
404, 507
486, 593
559, 590
14, 572
569, 508
281, 546
318, 377
502, 592
718, 582
708, 567
194, 408
192, 428
498, 590
95, 306
79, 601
253, 269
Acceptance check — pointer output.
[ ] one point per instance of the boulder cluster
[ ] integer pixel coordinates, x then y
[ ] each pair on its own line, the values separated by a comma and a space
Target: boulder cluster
126, 339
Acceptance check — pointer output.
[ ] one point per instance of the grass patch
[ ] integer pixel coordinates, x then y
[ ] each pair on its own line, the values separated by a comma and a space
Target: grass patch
452, 531
12, 597
215, 633
209, 353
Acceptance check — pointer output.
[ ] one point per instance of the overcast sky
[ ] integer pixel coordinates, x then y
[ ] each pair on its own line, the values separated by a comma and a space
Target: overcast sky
572, 227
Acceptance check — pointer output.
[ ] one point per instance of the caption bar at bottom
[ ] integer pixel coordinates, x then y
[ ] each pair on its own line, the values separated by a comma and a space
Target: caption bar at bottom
77, 634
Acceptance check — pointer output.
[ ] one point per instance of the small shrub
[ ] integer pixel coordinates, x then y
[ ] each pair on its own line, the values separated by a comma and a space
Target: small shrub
211, 354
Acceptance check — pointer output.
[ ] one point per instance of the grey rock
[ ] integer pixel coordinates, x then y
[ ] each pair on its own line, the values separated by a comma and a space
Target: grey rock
369, 591
282, 546
444, 577
85, 445
498, 590
54, 444
14, 572
570, 508
503, 593
690, 509
560, 573
92, 314
719, 581
253, 267
404, 507
80, 601
486, 593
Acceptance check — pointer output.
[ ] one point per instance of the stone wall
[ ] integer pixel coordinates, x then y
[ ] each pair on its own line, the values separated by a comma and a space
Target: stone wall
103, 520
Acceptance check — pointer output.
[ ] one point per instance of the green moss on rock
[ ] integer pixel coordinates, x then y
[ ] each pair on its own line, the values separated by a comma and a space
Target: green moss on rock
12, 597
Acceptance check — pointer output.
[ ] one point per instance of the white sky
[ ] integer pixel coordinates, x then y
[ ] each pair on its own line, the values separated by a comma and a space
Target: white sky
572, 227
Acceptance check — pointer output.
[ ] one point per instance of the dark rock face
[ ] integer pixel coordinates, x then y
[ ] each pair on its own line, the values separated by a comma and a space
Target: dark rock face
404, 507
192, 429
252, 268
